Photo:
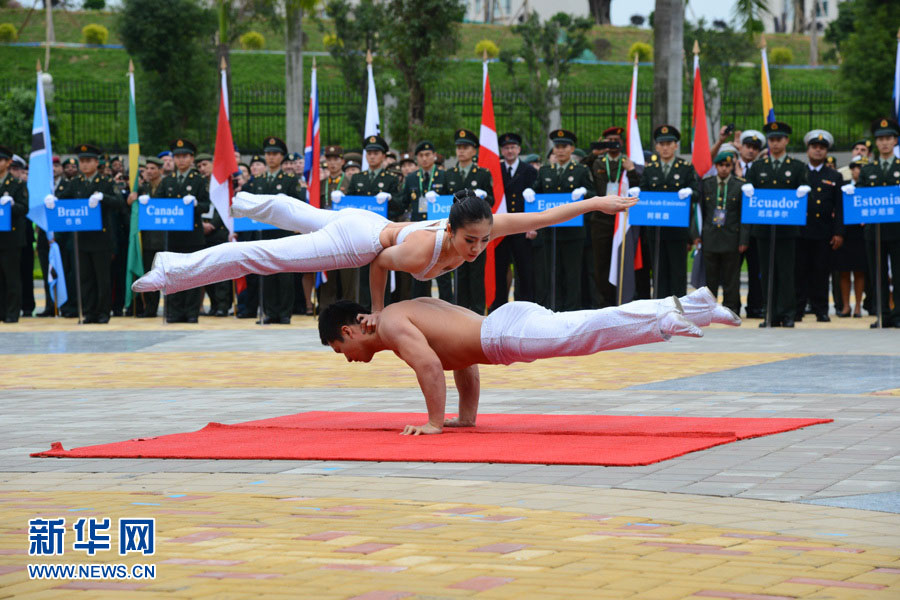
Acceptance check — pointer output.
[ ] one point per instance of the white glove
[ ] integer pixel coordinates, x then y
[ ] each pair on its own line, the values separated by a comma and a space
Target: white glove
685, 193
189, 199
144, 198
480, 193
337, 196
849, 188
803, 190
528, 194
748, 189
634, 192
578, 193
431, 196
95, 199
5, 199
50, 201
382, 197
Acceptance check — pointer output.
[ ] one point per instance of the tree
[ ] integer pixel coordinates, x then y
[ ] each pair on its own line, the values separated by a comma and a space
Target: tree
867, 70
600, 11
668, 61
547, 52
417, 40
16, 109
840, 29
173, 44
748, 15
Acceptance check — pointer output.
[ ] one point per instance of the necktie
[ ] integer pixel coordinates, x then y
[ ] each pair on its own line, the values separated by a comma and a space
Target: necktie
777, 163
885, 164
666, 170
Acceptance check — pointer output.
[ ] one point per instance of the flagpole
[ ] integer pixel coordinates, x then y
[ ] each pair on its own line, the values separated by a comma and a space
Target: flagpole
622, 255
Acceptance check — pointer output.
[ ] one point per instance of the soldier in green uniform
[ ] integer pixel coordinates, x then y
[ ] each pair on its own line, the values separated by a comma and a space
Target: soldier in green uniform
147, 303
13, 201
215, 232
880, 171
423, 184
466, 174
384, 184
723, 236
332, 189
667, 173
566, 176
186, 183
778, 171
607, 164
95, 248
278, 290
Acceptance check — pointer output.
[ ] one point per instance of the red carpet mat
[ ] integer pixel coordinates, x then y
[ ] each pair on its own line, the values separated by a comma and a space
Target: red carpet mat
504, 438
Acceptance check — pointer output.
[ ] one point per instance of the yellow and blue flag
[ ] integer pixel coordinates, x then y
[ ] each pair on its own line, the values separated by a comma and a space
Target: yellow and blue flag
768, 107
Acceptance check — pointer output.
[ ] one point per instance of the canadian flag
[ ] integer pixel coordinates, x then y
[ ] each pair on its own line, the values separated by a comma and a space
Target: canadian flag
489, 158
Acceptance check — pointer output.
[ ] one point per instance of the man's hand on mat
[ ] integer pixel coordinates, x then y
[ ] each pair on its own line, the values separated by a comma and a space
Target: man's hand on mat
425, 429
613, 204
455, 422
369, 322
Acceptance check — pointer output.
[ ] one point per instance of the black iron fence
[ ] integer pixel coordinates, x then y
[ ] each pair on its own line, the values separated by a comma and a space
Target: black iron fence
99, 113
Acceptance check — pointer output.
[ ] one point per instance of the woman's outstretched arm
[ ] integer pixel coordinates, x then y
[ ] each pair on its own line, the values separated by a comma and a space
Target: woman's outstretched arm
512, 223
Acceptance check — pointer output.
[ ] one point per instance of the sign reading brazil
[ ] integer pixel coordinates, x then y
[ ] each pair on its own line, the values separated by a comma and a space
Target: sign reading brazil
543, 202
872, 205
773, 207
165, 214
660, 209
362, 202
74, 215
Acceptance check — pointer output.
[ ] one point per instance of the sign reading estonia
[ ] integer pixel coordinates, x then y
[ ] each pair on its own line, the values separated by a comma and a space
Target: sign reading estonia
660, 209
165, 214
5, 217
74, 215
872, 205
544, 202
773, 207
362, 202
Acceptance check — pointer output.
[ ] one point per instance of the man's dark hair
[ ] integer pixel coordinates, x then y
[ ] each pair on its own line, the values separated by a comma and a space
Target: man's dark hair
335, 316
468, 208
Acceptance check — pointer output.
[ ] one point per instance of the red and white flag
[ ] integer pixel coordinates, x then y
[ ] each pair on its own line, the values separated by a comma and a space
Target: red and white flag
700, 156
623, 241
489, 158
312, 151
221, 188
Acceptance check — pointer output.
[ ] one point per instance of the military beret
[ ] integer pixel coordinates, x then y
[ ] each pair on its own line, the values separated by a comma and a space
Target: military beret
464, 137
164, 153
333, 151
613, 131
351, 163
819, 136
375, 142
203, 156
424, 145
562, 136
152, 160
777, 129
723, 157
274, 144
407, 157
866, 143
666, 133
752, 135
885, 127
531, 158
6, 152
74, 162
294, 156
392, 154
183, 146
245, 165
114, 158
510, 138
56, 159
88, 151
256, 158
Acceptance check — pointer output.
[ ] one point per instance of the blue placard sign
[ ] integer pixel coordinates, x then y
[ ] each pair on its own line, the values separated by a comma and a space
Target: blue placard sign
362, 202
248, 224
543, 202
74, 215
6, 217
440, 208
660, 209
166, 214
872, 205
773, 207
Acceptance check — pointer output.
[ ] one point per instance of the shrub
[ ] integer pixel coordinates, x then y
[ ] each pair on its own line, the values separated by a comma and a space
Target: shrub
94, 34
643, 51
8, 32
331, 40
94, 4
253, 40
781, 55
487, 46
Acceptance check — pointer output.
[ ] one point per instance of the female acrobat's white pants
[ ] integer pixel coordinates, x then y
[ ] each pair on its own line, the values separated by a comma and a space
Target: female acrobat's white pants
524, 332
336, 240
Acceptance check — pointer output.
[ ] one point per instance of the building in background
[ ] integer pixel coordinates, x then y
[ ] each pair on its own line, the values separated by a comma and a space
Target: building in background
510, 12
794, 16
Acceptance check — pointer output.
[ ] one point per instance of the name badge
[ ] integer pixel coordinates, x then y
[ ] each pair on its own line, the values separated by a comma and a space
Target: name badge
612, 188
719, 217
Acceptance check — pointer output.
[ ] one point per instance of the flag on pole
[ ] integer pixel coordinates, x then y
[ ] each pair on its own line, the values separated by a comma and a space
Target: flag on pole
40, 163
768, 107
134, 264
56, 276
373, 122
625, 237
489, 158
313, 149
700, 156
221, 187
897, 89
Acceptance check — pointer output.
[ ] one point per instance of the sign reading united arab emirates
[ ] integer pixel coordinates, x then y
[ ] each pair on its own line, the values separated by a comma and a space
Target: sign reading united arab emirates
362, 202
165, 214
440, 208
74, 215
248, 224
773, 207
660, 209
6, 217
544, 202
872, 205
